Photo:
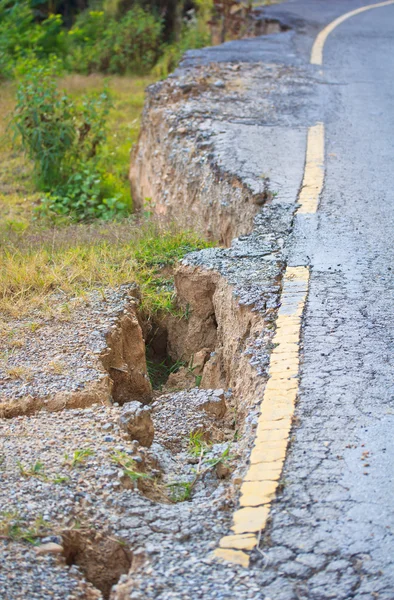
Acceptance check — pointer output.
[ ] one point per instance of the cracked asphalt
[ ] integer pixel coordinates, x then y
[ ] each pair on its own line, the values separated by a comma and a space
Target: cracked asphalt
330, 532
332, 529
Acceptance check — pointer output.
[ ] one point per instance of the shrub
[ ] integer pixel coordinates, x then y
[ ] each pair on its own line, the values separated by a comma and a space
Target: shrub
82, 198
107, 45
21, 36
194, 34
62, 138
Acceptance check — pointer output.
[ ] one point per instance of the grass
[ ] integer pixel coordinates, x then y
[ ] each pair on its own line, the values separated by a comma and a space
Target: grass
129, 466
78, 458
46, 266
14, 527
32, 272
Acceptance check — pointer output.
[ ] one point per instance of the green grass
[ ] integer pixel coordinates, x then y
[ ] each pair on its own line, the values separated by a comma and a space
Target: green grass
41, 258
14, 527
18, 197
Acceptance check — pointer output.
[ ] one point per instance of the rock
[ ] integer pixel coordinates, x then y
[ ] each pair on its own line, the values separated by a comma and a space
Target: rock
107, 426
198, 360
136, 420
184, 379
222, 471
214, 405
50, 548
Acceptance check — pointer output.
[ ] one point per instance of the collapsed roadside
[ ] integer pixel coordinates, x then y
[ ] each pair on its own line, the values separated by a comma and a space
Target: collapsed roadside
213, 151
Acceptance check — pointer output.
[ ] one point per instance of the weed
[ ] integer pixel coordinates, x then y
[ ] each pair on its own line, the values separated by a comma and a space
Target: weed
34, 470
198, 380
197, 446
56, 367
13, 527
78, 458
19, 373
128, 466
159, 372
222, 459
180, 491
60, 479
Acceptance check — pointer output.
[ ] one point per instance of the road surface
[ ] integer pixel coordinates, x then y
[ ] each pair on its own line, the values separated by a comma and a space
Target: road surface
332, 531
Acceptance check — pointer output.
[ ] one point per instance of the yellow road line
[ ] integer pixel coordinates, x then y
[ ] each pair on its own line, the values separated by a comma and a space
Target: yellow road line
312, 184
272, 436
277, 408
318, 46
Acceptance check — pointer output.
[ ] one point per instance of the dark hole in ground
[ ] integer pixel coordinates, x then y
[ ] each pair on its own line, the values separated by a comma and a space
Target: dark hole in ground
159, 364
101, 559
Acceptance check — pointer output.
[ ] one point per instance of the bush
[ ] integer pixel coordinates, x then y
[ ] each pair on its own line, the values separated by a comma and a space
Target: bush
21, 36
107, 45
194, 34
63, 138
82, 198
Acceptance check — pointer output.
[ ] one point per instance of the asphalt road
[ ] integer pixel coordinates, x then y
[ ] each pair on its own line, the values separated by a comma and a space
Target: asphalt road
332, 530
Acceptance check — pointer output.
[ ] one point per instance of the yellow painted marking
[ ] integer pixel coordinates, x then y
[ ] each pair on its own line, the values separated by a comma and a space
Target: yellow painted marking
274, 424
269, 455
312, 183
269, 472
251, 519
256, 493
277, 408
318, 46
242, 541
237, 557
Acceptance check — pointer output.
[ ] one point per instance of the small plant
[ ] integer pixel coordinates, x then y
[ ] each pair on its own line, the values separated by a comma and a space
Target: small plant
35, 470
180, 491
197, 446
60, 479
128, 466
19, 373
159, 372
56, 367
13, 527
78, 458
222, 459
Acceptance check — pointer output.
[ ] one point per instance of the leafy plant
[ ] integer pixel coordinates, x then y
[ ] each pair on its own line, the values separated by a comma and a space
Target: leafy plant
109, 45
60, 479
57, 133
128, 466
63, 137
180, 491
222, 459
197, 446
78, 458
13, 527
81, 198
34, 470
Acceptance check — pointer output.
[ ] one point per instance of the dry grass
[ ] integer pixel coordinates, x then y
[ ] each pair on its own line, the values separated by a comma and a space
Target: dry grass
47, 268
33, 275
